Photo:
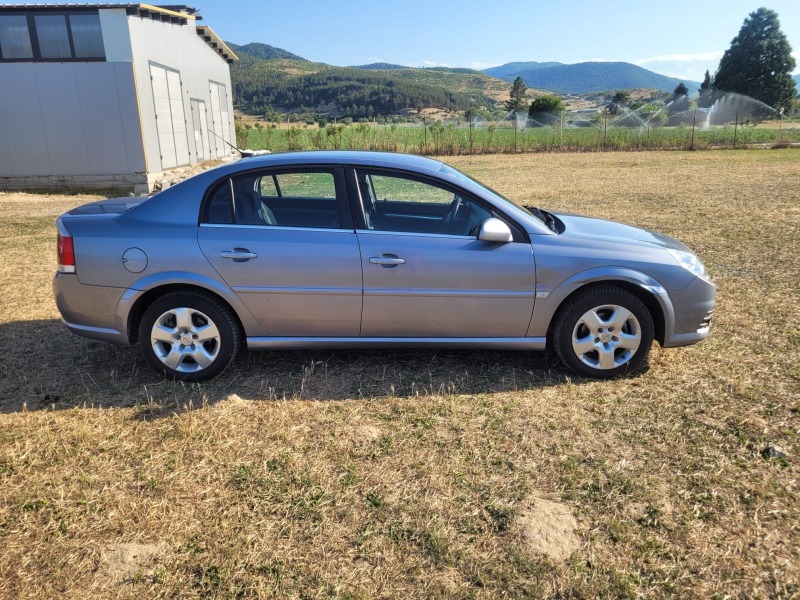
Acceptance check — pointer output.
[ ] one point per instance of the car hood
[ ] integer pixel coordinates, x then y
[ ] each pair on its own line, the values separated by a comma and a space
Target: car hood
590, 228
111, 206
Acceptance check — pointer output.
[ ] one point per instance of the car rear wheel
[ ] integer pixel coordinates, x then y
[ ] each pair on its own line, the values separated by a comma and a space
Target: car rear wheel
603, 332
189, 336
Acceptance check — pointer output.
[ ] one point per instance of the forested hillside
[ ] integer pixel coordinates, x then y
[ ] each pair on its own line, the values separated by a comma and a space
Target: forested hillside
262, 51
263, 85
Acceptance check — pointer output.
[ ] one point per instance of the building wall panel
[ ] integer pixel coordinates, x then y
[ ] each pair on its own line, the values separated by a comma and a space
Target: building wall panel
61, 113
23, 125
129, 110
106, 145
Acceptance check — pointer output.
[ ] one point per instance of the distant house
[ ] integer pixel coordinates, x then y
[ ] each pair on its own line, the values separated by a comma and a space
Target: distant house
109, 95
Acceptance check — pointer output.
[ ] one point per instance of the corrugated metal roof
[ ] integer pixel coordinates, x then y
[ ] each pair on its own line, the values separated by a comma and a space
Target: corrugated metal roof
173, 11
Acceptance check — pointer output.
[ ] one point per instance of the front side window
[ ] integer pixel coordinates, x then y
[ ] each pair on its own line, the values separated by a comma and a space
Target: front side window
15, 39
402, 204
277, 199
53, 37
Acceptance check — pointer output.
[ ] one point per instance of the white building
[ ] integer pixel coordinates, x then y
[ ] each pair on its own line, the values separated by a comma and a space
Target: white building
109, 95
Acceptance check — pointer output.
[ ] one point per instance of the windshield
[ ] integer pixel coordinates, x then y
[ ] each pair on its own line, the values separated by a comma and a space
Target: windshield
465, 179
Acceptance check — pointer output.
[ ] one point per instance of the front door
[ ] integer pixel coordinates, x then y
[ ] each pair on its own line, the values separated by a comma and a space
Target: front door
425, 272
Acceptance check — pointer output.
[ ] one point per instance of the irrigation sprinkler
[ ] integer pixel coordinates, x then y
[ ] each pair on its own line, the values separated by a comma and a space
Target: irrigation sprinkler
694, 121
780, 124
735, 128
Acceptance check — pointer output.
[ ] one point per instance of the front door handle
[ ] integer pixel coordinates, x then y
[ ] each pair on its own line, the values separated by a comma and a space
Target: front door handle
238, 254
387, 260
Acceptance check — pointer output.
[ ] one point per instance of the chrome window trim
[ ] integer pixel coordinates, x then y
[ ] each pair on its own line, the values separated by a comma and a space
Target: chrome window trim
273, 227
415, 234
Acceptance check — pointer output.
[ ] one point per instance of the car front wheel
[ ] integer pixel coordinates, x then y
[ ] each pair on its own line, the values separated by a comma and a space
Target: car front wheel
189, 336
603, 332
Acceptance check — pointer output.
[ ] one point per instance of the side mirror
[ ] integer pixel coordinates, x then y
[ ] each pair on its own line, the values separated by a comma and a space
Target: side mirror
494, 230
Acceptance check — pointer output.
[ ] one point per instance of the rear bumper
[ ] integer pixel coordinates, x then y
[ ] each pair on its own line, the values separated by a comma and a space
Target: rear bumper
89, 310
693, 308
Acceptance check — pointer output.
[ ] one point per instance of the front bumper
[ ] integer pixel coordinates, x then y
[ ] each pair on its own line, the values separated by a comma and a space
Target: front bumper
693, 308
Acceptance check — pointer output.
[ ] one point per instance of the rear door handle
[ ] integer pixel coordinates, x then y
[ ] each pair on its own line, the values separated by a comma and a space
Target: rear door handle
387, 260
238, 254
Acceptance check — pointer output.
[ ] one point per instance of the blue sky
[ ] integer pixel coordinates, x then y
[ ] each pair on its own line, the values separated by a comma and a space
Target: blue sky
680, 38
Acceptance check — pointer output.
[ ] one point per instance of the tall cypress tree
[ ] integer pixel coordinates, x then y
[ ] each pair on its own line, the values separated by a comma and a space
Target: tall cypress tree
759, 62
517, 101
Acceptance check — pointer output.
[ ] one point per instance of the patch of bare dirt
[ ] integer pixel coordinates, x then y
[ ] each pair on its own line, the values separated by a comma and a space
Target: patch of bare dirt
122, 562
365, 434
548, 528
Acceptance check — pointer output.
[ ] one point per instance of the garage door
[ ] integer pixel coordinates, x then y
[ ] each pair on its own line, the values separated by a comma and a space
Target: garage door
220, 118
199, 120
170, 117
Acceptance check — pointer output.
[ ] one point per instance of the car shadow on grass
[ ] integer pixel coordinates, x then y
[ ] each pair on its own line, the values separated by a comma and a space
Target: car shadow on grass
44, 367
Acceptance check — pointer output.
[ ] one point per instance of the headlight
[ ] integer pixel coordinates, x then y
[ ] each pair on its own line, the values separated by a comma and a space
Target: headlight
689, 262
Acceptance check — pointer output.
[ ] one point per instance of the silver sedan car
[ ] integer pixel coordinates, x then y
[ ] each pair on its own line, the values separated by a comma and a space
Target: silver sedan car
362, 249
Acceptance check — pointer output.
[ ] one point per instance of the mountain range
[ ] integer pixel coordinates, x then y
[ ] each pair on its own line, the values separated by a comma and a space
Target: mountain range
267, 79
587, 77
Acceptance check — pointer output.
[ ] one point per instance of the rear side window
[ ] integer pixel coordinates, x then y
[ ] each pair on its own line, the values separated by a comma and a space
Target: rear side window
299, 185
275, 198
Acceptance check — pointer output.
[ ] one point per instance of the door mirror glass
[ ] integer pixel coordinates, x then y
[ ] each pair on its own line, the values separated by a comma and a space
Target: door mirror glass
494, 230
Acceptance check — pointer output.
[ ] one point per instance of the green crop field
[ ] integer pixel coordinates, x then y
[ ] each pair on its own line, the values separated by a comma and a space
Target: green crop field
452, 139
425, 474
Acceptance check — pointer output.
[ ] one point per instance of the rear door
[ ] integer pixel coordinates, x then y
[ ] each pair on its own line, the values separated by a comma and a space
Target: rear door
297, 268
425, 272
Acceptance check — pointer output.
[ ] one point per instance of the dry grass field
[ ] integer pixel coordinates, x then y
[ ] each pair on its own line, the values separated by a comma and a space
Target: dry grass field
405, 474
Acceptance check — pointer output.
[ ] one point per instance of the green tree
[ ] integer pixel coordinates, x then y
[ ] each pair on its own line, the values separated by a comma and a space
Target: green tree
620, 98
680, 90
706, 98
517, 101
759, 62
549, 103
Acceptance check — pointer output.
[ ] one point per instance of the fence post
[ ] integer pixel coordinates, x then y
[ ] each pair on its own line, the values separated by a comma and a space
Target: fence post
515, 132
694, 120
735, 128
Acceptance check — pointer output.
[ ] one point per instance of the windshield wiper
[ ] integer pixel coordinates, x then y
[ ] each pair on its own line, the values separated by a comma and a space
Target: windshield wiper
548, 219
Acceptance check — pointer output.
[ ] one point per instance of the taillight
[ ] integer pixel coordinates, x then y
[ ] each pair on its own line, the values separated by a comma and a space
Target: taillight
66, 250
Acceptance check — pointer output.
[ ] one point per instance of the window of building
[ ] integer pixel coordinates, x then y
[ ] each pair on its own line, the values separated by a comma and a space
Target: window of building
51, 36
15, 39
87, 36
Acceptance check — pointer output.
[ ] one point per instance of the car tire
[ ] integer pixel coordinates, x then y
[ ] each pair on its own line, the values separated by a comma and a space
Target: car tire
603, 332
189, 336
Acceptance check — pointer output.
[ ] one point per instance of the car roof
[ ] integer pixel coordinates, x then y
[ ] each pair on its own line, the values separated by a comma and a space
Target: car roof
341, 157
